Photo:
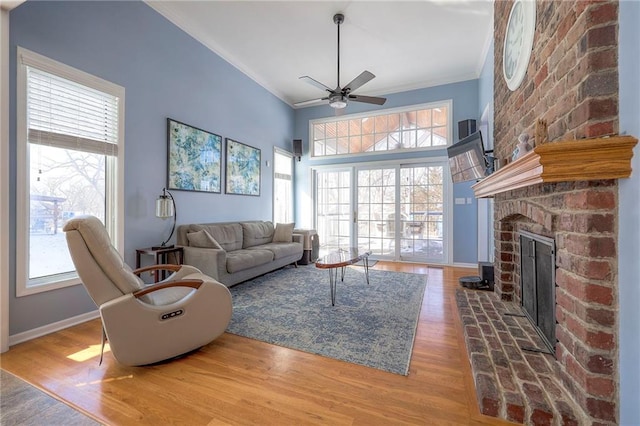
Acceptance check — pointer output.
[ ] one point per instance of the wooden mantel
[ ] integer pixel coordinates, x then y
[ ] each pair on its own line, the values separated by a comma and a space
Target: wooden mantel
563, 161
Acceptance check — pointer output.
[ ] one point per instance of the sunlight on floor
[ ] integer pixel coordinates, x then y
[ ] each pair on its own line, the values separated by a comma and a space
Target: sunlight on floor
112, 379
86, 354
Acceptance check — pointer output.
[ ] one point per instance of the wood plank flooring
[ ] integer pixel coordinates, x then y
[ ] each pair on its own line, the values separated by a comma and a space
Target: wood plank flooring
239, 381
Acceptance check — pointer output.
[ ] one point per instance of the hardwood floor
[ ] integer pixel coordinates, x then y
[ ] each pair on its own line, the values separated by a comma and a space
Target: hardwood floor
236, 380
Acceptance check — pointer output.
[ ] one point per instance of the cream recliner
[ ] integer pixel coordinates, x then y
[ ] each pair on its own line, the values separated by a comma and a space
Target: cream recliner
146, 323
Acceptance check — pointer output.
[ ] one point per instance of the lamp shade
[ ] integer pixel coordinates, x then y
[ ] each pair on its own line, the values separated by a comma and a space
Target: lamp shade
164, 206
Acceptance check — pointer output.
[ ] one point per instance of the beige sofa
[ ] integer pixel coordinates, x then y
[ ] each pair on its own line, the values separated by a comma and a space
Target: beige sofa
233, 252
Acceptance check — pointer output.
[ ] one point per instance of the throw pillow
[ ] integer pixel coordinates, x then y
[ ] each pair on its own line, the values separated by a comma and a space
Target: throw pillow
283, 233
202, 239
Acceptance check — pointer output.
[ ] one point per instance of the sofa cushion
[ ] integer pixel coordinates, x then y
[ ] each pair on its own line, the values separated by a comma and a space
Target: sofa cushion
283, 233
202, 239
281, 250
256, 233
240, 260
229, 236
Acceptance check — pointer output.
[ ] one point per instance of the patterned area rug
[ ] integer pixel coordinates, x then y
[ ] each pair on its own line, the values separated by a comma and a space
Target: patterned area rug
372, 325
24, 405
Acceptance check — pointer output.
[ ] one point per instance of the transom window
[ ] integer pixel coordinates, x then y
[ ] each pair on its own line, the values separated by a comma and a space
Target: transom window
412, 128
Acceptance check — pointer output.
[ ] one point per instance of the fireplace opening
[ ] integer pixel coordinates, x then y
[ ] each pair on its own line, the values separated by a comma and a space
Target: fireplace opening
537, 285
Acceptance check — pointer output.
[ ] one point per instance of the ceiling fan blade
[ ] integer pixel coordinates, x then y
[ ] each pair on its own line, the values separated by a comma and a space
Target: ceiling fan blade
310, 102
357, 82
316, 83
368, 99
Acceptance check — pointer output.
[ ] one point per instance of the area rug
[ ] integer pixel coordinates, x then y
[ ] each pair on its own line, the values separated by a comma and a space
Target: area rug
23, 404
372, 325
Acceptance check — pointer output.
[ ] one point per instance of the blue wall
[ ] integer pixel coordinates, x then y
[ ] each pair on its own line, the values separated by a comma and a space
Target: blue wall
166, 73
629, 227
465, 105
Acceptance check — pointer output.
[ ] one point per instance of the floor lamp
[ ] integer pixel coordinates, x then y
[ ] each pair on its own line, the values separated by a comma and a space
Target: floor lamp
166, 207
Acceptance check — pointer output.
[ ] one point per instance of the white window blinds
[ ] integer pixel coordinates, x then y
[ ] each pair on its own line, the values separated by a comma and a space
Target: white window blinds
69, 115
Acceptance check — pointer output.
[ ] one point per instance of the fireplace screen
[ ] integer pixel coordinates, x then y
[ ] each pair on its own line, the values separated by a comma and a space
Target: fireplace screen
537, 278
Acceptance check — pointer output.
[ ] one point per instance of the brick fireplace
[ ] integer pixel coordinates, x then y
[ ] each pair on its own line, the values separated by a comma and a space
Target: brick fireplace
572, 83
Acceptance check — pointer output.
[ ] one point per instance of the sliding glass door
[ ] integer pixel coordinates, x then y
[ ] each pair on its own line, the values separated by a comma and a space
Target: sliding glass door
399, 211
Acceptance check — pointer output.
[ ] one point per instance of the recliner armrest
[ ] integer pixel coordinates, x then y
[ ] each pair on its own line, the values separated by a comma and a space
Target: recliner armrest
168, 284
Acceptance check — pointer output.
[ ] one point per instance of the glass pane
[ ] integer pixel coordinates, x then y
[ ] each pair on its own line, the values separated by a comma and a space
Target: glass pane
439, 136
409, 120
409, 139
424, 118
331, 148
318, 148
394, 141
381, 124
282, 164
343, 129
330, 130
355, 127
440, 116
343, 145
367, 143
423, 138
355, 145
318, 131
63, 184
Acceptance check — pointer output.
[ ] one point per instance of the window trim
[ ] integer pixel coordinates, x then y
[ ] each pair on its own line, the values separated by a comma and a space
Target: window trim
114, 182
429, 105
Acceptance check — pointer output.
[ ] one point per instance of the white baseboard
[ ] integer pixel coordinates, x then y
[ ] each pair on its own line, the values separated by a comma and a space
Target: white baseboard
465, 265
53, 327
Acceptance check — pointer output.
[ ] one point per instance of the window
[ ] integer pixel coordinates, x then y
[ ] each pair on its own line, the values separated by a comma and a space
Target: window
282, 186
413, 128
70, 161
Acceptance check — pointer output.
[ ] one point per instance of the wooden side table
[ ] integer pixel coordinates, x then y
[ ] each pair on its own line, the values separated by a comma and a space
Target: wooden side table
161, 257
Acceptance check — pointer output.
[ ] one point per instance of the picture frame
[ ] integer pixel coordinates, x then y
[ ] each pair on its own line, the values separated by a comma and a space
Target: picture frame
243, 164
194, 158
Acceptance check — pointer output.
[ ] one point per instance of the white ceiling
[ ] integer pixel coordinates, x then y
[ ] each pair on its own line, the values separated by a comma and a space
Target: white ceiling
406, 44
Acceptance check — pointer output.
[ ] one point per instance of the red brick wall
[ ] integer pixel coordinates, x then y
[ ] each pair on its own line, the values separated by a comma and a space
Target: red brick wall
572, 82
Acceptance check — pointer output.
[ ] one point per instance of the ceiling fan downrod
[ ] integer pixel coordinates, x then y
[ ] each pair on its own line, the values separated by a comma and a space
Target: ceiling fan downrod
338, 19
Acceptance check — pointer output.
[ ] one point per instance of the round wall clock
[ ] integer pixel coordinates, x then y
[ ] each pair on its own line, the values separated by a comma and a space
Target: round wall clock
518, 42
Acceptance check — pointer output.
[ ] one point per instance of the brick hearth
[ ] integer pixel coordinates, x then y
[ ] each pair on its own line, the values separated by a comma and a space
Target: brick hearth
511, 383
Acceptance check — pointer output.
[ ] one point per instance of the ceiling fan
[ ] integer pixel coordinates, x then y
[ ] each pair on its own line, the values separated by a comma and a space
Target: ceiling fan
339, 97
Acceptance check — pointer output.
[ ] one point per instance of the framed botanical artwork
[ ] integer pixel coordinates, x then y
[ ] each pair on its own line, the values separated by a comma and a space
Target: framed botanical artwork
194, 158
243, 169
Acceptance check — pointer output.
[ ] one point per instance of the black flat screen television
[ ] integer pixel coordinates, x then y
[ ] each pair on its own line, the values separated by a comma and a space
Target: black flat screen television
467, 159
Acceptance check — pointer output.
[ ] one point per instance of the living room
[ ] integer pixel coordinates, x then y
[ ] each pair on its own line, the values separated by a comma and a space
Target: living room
166, 73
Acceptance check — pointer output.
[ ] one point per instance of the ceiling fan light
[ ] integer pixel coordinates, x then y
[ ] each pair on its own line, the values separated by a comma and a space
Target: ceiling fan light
338, 101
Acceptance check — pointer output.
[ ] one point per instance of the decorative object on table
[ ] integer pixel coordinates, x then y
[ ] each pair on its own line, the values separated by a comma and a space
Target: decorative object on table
523, 145
194, 158
541, 134
243, 169
373, 325
522, 148
166, 208
518, 42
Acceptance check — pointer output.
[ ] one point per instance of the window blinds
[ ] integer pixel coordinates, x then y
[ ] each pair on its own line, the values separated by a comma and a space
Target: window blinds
65, 114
